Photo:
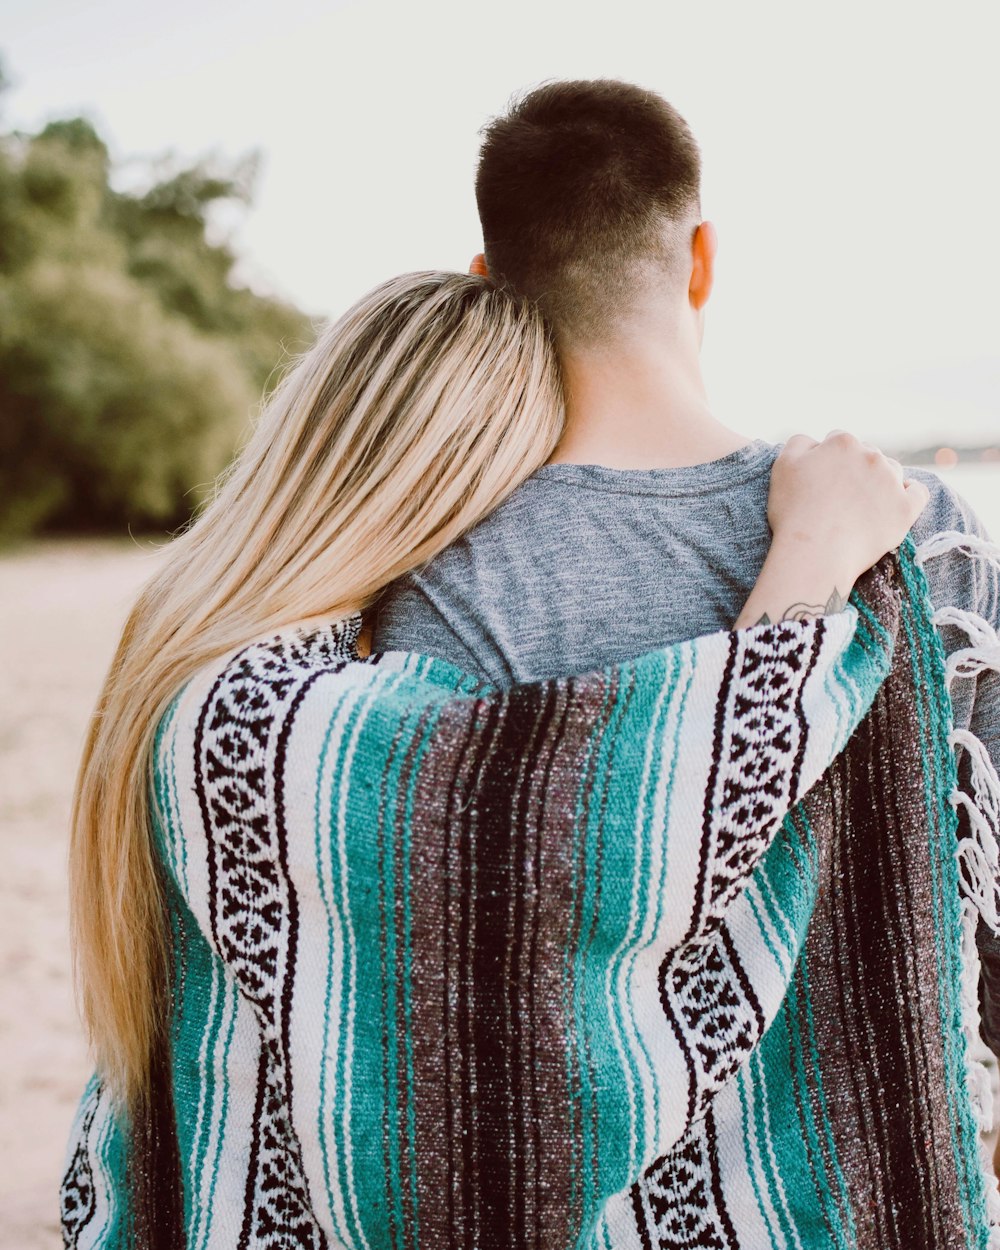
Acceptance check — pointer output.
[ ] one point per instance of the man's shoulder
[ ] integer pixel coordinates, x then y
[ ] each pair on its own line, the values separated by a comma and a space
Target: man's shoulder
946, 508
955, 579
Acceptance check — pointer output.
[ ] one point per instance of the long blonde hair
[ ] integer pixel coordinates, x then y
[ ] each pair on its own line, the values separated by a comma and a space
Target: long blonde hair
418, 411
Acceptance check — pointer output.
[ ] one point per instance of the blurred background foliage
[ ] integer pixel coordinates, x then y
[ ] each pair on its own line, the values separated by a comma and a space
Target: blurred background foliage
130, 359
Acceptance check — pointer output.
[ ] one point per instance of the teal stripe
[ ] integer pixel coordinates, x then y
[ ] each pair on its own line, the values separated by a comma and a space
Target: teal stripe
210, 1091
347, 1061
764, 1138
835, 687
796, 1007
393, 698
195, 953
639, 906
361, 1070
327, 830
814, 1055
940, 776
389, 874
604, 1119
611, 836
781, 964
866, 661
203, 1119
110, 1151
641, 909
794, 882
749, 1137
801, 844
223, 1110
871, 633
407, 941
197, 966
947, 999
176, 805
682, 657
168, 845
788, 933
797, 1184
372, 795
824, 1110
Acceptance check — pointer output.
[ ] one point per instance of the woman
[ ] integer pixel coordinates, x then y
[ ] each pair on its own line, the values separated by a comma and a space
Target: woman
409, 421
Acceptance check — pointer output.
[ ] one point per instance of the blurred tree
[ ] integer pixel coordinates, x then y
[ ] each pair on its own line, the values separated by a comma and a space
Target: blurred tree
130, 358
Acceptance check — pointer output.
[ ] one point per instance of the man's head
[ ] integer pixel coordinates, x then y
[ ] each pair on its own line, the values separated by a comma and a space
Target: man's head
588, 195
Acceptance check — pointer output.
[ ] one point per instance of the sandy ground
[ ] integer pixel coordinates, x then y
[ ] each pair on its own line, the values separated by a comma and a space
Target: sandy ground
61, 605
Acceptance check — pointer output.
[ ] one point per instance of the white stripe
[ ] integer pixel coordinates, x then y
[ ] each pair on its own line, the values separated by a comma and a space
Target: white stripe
825, 736
761, 1192
101, 1130
769, 1139
217, 1135
783, 942
675, 836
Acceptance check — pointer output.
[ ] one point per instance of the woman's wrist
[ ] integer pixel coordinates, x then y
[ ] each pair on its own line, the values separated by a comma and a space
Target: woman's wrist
800, 578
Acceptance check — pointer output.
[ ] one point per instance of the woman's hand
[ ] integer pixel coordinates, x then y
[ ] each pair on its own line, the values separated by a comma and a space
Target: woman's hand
835, 508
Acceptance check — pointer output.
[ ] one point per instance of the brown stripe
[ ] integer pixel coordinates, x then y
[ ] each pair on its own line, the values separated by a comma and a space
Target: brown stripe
384, 972
401, 884
552, 788
806, 1091
522, 999
439, 1056
898, 806
466, 848
873, 977
500, 1024
579, 941
581, 787
445, 876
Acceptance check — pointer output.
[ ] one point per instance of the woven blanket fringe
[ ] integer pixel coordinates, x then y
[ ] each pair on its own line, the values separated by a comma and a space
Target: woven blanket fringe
978, 854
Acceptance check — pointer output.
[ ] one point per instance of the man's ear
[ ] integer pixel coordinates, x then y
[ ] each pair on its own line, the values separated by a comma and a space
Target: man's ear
478, 266
704, 245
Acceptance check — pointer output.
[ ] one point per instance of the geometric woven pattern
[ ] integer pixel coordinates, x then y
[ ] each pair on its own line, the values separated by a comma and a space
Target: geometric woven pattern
663, 956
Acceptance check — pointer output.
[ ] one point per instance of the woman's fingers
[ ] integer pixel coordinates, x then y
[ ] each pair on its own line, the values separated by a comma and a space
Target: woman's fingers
843, 497
916, 495
799, 443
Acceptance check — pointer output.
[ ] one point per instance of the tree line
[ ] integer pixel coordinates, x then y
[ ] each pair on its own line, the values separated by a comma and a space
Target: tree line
130, 359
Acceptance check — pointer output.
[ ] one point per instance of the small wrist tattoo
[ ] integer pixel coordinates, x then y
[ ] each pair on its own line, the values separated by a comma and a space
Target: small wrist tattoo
803, 611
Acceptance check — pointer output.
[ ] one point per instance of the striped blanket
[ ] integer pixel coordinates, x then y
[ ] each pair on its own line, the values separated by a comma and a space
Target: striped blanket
676, 954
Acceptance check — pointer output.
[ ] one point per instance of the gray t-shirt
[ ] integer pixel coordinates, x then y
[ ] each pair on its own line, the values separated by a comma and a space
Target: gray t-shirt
583, 566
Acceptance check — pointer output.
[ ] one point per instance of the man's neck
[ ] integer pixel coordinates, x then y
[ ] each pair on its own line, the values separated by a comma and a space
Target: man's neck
637, 404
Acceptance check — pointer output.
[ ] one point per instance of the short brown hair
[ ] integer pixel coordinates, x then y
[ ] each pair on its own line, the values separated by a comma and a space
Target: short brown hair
583, 187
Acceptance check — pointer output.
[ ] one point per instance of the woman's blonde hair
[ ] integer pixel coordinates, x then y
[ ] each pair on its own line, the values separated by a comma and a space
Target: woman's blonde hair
411, 419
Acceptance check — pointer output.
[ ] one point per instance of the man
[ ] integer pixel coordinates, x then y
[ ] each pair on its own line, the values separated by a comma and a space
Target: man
649, 523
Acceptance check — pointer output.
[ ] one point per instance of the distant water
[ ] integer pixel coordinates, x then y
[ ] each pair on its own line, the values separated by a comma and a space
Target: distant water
979, 485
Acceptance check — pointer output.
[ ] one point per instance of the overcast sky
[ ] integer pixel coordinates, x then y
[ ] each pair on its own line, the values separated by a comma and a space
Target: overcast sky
850, 156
